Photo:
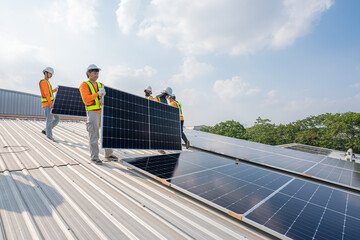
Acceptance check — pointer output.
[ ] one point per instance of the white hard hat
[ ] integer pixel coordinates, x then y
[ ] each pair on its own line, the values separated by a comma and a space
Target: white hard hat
49, 70
168, 91
92, 67
148, 89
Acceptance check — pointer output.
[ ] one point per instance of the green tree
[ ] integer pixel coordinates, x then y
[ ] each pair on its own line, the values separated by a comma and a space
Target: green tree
229, 128
263, 131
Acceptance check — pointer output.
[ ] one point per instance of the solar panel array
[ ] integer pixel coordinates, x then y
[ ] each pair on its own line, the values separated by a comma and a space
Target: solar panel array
68, 101
306, 210
308, 149
282, 205
312, 165
133, 122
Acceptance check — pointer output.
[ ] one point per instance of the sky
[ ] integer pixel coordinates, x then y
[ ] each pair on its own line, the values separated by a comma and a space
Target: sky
237, 60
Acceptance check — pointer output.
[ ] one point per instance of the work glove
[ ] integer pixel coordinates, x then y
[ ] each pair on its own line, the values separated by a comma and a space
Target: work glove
102, 92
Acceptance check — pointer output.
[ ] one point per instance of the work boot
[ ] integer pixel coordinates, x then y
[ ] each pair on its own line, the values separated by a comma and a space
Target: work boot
43, 132
97, 161
51, 138
161, 151
112, 158
187, 144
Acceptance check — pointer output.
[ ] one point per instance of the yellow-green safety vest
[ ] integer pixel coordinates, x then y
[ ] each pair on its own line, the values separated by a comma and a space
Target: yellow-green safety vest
95, 106
44, 99
148, 97
179, 106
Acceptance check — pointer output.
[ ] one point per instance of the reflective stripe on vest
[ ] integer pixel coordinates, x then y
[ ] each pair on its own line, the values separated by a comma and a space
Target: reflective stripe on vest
44, 99
179, 106
95, 106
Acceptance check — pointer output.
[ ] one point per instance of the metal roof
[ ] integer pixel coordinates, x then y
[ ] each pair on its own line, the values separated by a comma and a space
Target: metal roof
50, 190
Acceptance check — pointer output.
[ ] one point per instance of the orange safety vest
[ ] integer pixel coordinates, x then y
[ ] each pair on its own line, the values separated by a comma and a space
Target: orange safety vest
44, 99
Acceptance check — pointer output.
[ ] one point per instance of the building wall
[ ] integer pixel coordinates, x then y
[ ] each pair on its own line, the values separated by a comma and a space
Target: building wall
20, 103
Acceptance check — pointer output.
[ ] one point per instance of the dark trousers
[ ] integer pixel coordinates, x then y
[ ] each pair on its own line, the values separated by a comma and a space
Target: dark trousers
182, 132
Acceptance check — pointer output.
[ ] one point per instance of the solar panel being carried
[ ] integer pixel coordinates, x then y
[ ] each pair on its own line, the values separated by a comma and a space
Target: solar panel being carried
68, 101
311, 165
284, 206
133, 122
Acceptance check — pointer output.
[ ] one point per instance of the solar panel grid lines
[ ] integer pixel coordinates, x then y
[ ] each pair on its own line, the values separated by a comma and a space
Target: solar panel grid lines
134, 122
305, 210
286, 207
68, 101
323, 168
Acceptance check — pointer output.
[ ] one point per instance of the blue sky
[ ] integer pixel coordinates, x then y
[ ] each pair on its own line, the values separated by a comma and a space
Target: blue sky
225, 60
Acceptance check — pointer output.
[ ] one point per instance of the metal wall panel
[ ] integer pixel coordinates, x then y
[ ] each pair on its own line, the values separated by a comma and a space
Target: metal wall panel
20, 103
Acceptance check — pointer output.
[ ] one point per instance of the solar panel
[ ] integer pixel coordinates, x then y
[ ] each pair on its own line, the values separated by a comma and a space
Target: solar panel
133, 122
284, 206
309, 149
68, 101
306, 210
173, 165
235, 188
216, 180
312, 165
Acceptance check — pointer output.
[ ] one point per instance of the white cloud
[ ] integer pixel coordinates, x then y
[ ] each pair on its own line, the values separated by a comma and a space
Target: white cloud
190, 70
212, 26
128, 14
298, 105
355, 85
252, 91
126, 78
14, 49
77, 15
231, 88
270, 99
271, 93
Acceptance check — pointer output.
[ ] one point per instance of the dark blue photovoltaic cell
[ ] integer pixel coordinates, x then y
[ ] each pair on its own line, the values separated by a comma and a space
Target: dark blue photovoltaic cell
305, 210
68, 101
234, 187
133, 122
172, 165
317, 166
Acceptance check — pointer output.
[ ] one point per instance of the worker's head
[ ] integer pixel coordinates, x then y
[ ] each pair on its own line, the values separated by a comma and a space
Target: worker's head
167, 92
92, 72
48, 72
148, 91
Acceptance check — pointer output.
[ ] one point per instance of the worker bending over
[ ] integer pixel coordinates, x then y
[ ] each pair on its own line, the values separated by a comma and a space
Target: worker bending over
47, 99
148, 92
173, 102
91, 92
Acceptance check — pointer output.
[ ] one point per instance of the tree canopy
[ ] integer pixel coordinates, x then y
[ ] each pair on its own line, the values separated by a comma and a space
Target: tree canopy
338, 131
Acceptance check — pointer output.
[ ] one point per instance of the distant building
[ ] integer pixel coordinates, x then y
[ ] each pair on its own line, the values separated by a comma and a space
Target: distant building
197, 128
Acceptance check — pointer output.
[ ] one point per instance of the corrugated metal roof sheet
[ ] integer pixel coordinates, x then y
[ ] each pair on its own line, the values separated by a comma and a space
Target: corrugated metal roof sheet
19, 103
51, 191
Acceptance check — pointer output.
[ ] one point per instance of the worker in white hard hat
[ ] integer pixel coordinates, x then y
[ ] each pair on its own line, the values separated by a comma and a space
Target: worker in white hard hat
47, 99
162, 96
92, 92
173, 102
148, 92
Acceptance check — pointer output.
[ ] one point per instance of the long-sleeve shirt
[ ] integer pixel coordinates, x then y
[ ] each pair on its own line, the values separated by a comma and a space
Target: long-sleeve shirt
45, 92
173, 103
87, 97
